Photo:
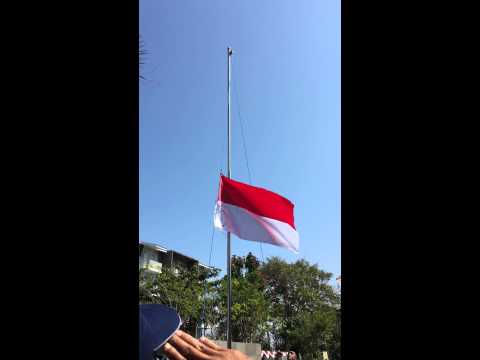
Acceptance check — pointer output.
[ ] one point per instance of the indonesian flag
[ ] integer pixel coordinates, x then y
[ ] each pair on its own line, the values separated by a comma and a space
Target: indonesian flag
255, 214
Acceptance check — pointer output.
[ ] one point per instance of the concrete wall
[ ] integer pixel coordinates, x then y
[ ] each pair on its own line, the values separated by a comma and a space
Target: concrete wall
252, 350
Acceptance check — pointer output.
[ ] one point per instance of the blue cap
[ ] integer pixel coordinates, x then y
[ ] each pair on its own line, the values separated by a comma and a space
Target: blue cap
157, 324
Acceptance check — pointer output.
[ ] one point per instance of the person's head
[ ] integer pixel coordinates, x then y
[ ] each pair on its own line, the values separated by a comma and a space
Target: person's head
292, 355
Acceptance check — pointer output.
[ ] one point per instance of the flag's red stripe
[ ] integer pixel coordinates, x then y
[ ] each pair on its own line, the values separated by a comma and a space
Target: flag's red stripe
257, 200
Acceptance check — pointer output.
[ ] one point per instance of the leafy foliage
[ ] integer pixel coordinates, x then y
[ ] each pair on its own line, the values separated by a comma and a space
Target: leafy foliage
182, 291
283, 306
249, 306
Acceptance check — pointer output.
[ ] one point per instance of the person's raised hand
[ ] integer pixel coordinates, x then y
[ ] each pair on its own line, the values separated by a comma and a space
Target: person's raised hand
182, 346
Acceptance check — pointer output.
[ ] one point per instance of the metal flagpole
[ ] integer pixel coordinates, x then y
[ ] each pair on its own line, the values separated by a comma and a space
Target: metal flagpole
229, 265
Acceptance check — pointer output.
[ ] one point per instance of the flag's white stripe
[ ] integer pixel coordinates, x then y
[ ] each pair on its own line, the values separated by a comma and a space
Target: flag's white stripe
250, 226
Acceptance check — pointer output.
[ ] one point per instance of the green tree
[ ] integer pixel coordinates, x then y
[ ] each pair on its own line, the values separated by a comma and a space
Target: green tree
183, 292
249, 310
238, 266
335, 349
283, 306
251, 263
302, 306
249, 305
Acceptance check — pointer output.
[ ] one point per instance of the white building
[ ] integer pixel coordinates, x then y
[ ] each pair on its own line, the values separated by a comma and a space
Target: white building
155, 257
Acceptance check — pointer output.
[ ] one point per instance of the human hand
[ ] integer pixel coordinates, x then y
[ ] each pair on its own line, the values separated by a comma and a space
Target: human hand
182, 346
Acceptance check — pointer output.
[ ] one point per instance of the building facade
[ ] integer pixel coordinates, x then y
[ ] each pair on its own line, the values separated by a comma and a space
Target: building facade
154, 257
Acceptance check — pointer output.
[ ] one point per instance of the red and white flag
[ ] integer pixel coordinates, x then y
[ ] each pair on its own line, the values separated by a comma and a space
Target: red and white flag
255, 214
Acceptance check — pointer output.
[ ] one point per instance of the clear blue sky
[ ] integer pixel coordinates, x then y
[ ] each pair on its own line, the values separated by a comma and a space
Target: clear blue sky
286, 73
